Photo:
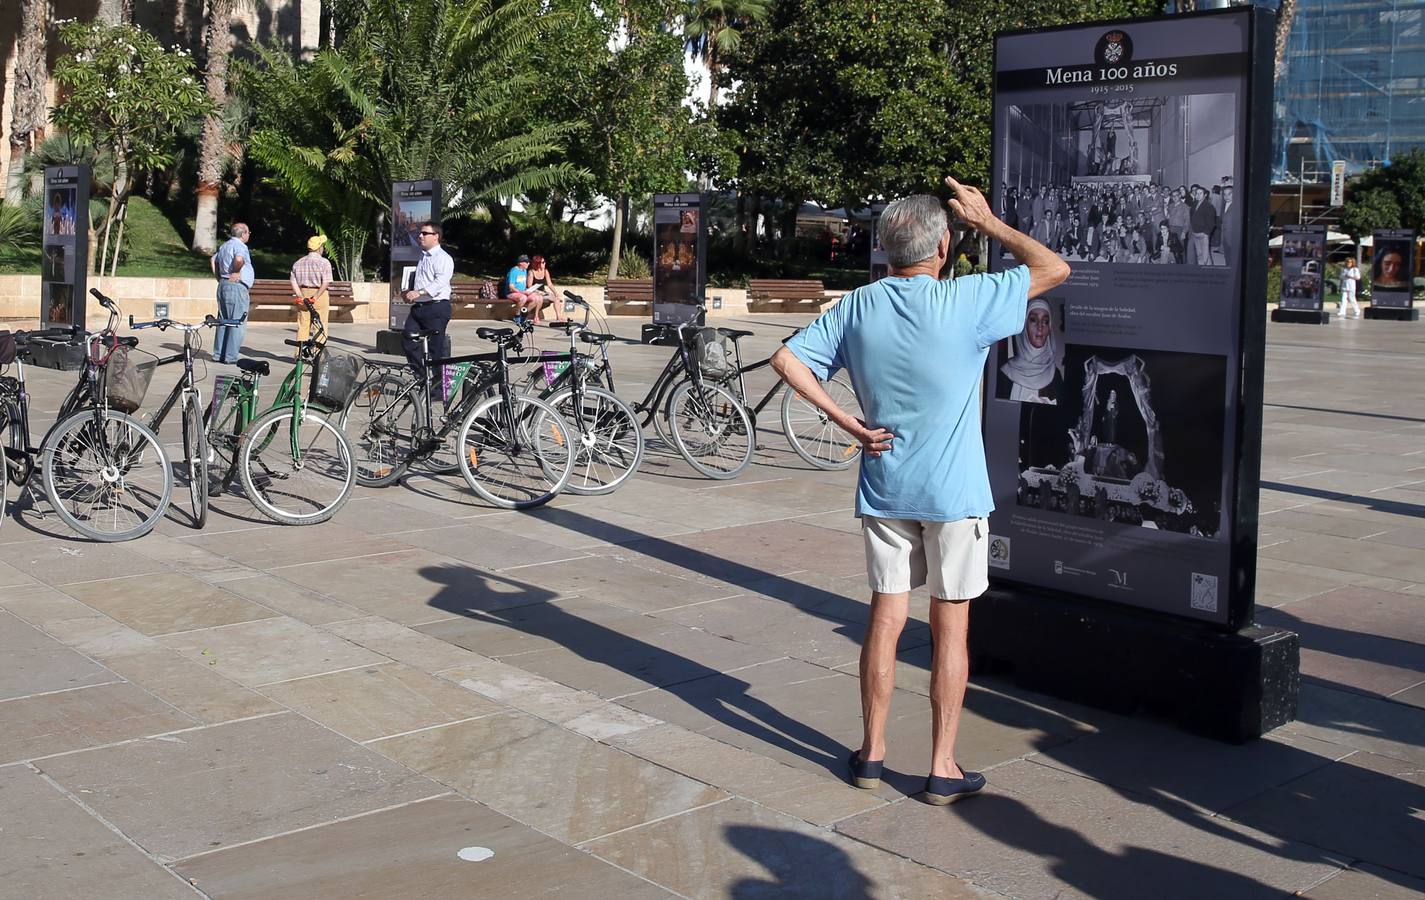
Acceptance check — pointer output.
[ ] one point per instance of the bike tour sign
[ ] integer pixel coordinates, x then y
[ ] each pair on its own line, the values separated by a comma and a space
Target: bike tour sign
1119, 424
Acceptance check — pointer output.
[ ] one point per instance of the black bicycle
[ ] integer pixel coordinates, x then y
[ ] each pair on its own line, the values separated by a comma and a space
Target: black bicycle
705, 421
187, 395
515, 451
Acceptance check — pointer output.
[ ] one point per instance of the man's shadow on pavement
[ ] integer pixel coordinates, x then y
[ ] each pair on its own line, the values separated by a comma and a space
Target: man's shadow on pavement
489, 597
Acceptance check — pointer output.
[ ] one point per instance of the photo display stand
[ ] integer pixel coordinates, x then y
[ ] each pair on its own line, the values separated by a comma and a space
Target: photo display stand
1393, 276
1122, 426
412, 202
1303, 293
680, 251
64, 264
880, 260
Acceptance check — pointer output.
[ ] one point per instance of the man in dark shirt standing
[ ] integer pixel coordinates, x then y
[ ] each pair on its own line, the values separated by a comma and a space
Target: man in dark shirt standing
1202, 219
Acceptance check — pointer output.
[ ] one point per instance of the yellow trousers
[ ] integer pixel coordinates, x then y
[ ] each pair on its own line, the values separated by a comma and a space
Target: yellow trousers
322, 302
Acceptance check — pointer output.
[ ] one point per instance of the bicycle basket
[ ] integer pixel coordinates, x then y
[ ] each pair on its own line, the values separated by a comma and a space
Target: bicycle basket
336, 376
715, 355
127, 375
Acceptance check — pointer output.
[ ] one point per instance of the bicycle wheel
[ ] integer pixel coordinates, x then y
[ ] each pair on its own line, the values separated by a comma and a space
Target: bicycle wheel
813, 435
4, 488
296, 467
711, 430
609, 440
106, 475
195, 452
382, 422
223, 423
520, 464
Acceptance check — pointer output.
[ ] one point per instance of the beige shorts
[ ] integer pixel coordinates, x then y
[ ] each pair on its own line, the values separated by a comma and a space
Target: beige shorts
952, 558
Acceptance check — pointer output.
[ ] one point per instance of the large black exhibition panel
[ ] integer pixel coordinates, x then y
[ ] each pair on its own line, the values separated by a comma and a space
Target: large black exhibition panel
64, 263
1123, 424
1392, 276
680, 251
412, 202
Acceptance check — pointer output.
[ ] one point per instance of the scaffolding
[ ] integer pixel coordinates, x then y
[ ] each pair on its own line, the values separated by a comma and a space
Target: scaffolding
1353, 87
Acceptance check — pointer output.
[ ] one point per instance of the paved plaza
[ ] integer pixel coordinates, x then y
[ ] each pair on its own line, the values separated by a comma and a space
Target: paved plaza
651, 694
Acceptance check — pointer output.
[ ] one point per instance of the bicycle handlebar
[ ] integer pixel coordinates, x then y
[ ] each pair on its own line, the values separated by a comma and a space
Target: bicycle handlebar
575, 298
165, 323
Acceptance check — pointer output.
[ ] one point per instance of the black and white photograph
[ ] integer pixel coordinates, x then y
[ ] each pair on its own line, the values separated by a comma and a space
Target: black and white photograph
52, 265
1137, 180
1302, 262
1135, 439
1032, 367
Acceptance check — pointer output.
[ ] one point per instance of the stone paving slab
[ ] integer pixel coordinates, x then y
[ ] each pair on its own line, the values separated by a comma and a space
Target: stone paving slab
413, 852
1367, 882
36, 663
53, 850
47, 724
167, 603
227, 784
269, 650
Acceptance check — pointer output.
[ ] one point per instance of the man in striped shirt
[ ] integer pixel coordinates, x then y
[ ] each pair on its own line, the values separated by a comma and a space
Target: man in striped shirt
311, 277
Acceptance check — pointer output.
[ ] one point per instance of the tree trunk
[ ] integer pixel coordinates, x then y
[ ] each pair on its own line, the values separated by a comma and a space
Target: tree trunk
620, 214
212, 149
27, 112
500, 217
1286, 13
112, 12
787, 224
558, 204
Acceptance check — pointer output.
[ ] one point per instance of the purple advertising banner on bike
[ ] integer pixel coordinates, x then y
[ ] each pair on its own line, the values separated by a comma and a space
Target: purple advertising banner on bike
1111, 421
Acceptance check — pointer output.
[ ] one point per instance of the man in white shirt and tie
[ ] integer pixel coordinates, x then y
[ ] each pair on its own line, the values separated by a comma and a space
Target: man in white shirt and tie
429, 297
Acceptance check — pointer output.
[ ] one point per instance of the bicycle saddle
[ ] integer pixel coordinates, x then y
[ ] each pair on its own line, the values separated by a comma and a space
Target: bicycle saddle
422, 334
595, 337
734, 334
254, 366
494, 334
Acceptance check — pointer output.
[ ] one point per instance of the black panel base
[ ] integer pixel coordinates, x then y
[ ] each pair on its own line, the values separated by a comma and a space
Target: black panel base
1302, 316
61, 355
1394, 313
1229, 686
656, 335
389, 342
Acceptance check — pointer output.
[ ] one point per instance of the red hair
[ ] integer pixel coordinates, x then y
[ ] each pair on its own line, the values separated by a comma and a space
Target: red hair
537, 262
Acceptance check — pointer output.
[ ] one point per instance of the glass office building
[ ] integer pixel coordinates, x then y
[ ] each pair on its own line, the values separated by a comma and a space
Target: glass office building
1353, 88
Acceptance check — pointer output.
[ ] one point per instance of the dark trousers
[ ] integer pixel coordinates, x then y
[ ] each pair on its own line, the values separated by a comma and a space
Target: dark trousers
432, 315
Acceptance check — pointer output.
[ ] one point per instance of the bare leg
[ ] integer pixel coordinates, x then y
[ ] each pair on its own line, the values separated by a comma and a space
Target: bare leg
949, 673
878, 669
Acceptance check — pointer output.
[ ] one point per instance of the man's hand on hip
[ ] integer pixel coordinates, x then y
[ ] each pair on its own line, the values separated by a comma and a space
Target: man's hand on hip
874, 441
235, 276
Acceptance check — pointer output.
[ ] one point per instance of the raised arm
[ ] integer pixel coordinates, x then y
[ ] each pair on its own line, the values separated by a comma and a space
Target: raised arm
1046, 270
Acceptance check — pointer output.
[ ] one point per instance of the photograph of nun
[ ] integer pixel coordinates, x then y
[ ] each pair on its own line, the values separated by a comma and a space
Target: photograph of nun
1034, 370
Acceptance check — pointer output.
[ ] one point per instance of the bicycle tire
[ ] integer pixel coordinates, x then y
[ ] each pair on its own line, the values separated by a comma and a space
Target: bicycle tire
709, 438
273, 474
69, 452
195, 451
21, 461
4, 488
505, 472
610, 440
813, 436
380, 405
223, 424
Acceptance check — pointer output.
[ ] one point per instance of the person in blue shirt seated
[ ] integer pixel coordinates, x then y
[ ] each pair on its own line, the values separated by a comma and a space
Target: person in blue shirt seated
516, 286
914, 348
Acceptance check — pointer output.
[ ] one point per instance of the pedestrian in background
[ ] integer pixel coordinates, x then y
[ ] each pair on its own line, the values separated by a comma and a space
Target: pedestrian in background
1350, 277
923, 495
232, 266
429, 297
311, 280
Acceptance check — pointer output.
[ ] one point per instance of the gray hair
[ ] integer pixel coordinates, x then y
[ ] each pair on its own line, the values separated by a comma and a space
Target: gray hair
911, 228
239, 230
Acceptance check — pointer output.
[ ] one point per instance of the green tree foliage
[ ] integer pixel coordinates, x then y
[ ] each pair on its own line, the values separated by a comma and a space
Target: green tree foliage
615, 70
713, 29
125, 93
1391, 196
843, 101
417, 89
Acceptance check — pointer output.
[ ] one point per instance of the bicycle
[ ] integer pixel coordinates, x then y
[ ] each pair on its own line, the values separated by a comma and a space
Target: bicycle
189, 397
580, 387
104, 471
296, 466
513, 450
18, 463
708, 424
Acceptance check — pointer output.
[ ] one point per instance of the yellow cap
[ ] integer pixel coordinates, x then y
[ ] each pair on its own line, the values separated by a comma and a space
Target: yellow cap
316, 241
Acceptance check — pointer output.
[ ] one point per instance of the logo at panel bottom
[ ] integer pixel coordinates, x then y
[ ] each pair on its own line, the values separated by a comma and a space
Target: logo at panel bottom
999, 552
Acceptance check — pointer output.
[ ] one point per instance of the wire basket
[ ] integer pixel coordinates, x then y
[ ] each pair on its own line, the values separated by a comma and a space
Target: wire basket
127, 376
715, 354
336, 377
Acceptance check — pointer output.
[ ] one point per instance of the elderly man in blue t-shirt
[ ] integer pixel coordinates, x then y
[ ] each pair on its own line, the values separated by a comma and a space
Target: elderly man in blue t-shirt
914, 348
232, 266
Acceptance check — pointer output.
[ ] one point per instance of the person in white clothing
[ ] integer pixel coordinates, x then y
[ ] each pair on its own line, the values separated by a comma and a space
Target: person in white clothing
1350, 277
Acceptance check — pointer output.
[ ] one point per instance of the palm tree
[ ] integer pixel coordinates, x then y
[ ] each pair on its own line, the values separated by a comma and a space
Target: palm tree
212, 149
27, 113
713, 29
